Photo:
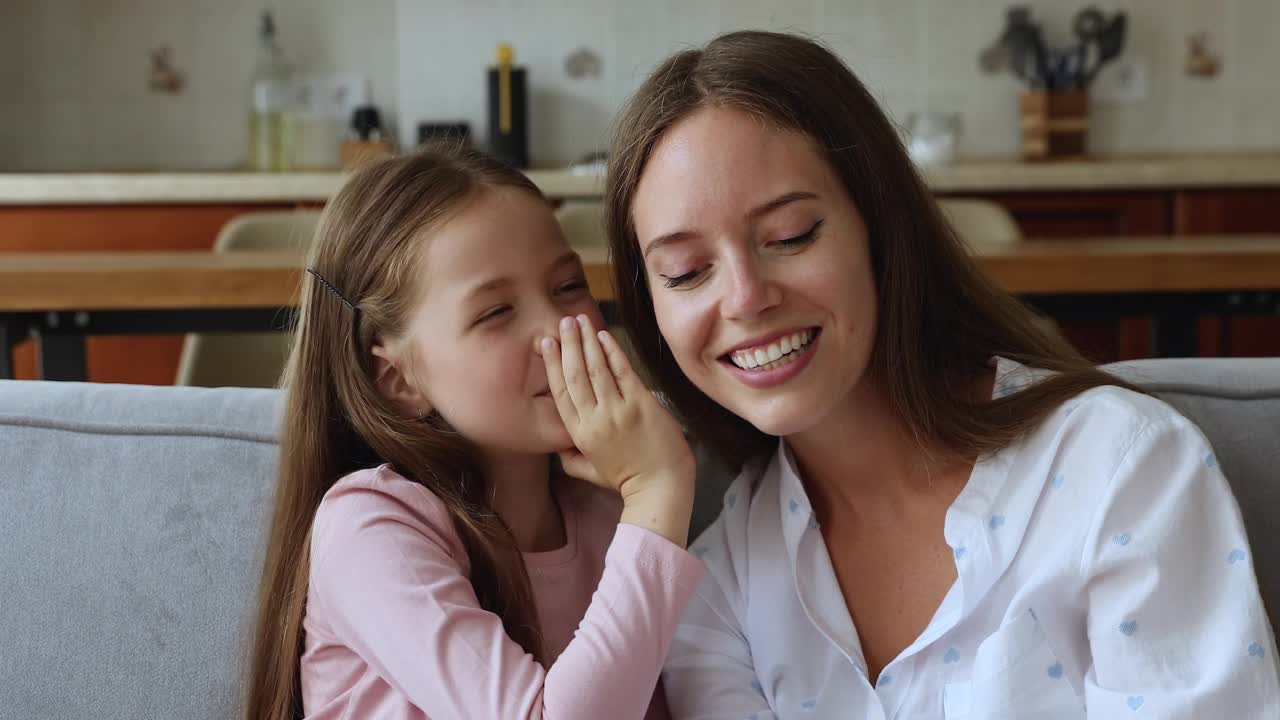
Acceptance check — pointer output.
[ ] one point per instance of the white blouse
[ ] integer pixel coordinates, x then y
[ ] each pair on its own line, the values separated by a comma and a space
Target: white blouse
1102, 569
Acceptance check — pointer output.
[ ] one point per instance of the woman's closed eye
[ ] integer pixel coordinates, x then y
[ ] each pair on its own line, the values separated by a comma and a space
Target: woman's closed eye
795, 242
679, 280
803, 238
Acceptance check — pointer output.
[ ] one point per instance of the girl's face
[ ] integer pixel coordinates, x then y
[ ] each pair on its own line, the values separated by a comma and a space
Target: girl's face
497, 275
759, 268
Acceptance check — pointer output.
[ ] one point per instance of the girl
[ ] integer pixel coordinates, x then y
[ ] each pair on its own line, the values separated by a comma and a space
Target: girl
943, 510
427, 557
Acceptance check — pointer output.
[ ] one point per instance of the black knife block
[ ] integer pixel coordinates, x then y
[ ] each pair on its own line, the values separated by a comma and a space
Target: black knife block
510, 145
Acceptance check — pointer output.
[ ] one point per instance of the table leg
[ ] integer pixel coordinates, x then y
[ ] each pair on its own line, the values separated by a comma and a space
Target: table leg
8, 338
61, 356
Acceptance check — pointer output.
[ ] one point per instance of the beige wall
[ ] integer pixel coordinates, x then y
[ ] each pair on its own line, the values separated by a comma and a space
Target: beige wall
73, 75
72, 72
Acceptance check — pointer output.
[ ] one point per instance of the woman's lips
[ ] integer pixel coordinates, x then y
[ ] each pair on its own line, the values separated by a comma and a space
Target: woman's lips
777, 372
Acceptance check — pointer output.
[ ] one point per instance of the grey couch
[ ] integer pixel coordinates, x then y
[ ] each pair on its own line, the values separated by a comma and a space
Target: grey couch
131, 523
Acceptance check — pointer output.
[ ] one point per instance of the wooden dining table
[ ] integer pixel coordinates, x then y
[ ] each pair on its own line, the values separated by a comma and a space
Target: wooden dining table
60, 298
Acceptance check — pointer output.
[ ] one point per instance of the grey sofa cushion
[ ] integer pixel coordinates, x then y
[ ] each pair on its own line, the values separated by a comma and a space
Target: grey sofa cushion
1236, 403
132, 519
131, 526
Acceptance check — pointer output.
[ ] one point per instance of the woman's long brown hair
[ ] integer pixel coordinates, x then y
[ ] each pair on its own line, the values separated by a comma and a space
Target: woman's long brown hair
939, 319
368, 246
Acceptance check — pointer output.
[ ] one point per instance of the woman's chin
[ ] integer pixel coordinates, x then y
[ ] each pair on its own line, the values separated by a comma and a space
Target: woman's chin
779, 421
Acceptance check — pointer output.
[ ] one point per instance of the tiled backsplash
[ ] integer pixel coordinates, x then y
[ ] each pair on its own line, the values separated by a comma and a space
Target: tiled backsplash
73, 72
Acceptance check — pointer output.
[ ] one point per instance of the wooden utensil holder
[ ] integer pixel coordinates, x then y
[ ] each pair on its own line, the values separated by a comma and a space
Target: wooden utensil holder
1055, 125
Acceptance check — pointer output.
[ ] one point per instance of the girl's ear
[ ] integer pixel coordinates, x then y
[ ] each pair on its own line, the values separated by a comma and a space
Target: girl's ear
395, 383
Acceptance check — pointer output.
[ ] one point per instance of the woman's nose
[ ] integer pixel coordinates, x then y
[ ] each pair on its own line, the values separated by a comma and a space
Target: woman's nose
748, 291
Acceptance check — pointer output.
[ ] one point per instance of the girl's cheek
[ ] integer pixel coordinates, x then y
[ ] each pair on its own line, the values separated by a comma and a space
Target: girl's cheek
589, 307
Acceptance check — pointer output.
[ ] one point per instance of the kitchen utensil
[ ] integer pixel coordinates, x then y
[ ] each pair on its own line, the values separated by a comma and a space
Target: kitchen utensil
1100, 41
1020, 48
997, 56
1065, 70
994, 59
1027, 54
1039, 52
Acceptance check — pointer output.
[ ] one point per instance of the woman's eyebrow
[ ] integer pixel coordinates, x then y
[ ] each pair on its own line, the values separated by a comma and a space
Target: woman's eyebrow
668, 239
755, 212
774, 204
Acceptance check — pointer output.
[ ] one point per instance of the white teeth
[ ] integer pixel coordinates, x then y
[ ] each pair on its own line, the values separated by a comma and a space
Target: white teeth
775, 354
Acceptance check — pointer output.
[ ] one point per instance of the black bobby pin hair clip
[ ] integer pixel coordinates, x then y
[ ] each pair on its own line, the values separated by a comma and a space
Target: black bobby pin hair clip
334, 290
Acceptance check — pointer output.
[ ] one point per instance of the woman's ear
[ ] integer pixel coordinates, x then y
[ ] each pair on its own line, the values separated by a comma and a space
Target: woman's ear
395, 383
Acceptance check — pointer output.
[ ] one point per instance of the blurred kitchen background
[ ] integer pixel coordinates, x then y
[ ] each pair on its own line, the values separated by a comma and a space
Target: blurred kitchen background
125, 127
74, 92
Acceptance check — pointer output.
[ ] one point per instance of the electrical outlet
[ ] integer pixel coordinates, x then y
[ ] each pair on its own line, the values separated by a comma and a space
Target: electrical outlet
1122, 81
331, 96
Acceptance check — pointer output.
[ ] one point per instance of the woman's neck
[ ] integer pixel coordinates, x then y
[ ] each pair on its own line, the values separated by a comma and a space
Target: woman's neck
522, 495
864, 458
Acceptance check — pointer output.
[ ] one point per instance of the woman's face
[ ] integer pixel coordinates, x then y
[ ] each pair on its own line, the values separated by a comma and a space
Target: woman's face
758, 264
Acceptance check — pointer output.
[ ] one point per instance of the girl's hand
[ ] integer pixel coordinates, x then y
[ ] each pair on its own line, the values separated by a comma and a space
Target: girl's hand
630, 442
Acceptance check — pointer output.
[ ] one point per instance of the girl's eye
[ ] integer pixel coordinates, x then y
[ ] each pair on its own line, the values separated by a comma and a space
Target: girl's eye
677, 281
492, 313
803, 238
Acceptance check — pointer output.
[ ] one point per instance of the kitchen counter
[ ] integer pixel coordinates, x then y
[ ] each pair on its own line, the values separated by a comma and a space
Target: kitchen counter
1149, 172
995, 175
220, 187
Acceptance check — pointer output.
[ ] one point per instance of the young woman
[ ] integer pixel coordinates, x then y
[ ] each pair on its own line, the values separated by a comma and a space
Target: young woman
943, 510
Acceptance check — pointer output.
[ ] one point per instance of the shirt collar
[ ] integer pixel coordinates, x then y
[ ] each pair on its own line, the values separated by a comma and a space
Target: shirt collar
793, 502
973, 520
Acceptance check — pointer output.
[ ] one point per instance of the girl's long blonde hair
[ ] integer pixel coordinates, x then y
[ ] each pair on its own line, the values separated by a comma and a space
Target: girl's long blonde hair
368, 247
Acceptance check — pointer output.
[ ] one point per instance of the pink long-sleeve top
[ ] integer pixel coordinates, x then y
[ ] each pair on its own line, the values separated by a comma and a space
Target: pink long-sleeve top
393, 628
